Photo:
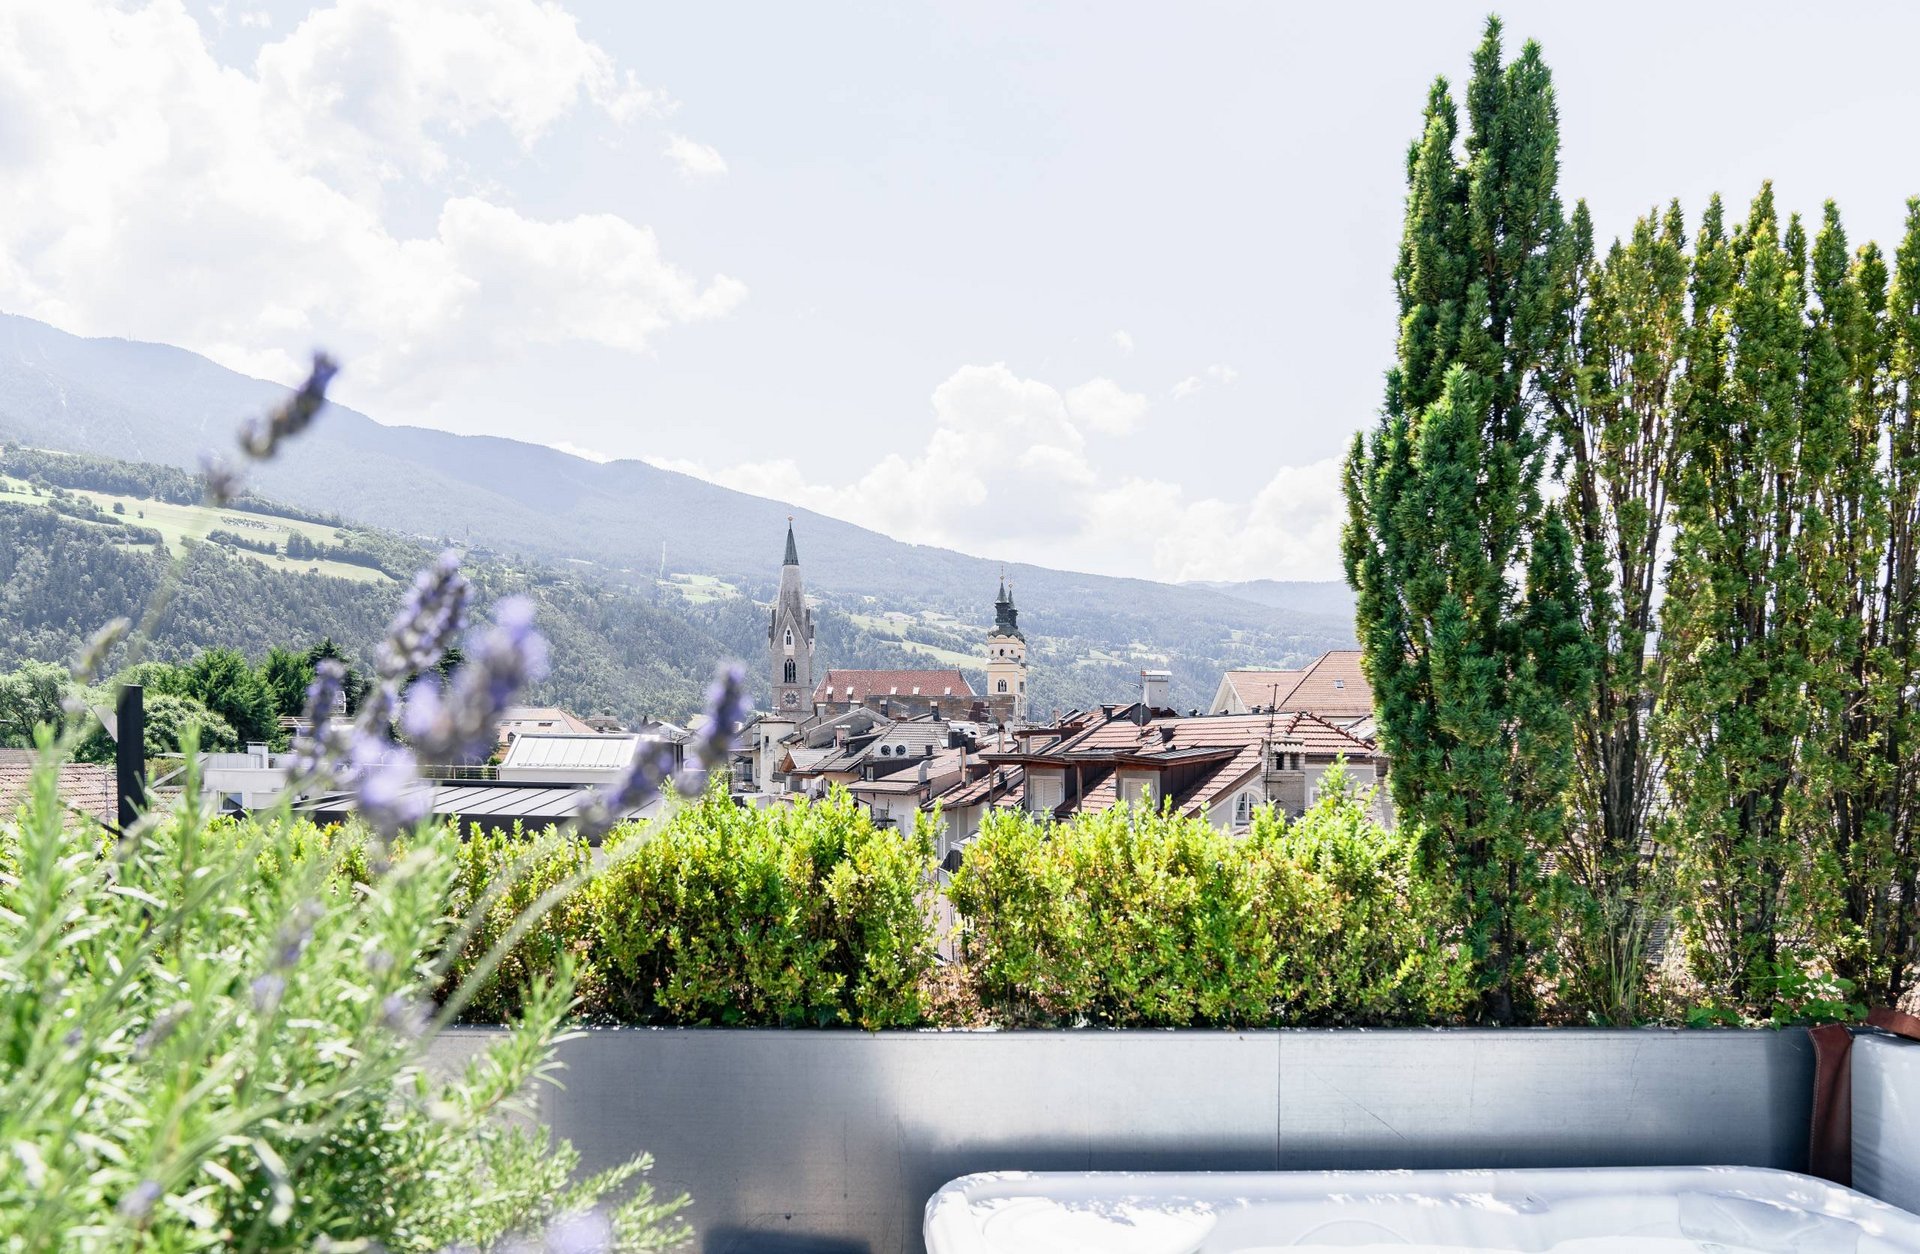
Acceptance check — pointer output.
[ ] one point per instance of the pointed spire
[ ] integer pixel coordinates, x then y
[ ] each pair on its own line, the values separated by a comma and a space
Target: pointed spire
793, 554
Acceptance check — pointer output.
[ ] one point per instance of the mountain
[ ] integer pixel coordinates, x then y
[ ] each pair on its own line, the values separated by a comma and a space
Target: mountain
155, 403
1328, 597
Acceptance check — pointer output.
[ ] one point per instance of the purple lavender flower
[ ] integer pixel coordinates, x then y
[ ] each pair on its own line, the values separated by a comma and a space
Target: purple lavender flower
261, 438
404, 1015
386, 784
267, 992
314, 747
94, 653
457, 724
640, 783
219, 479
727, 708
163, 1026
433, 614
138, 1202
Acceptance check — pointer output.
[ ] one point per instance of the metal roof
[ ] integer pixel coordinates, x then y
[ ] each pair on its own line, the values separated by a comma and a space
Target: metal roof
595, 752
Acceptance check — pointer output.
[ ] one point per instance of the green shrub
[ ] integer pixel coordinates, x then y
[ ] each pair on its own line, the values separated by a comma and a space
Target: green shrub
1144, 918
801, 915
497, 878
1364, 932
212, 1037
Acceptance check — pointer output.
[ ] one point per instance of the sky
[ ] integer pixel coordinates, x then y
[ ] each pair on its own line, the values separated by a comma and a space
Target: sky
1103, 286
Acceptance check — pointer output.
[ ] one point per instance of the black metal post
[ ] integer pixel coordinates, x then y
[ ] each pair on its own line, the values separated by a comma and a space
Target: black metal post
130, 753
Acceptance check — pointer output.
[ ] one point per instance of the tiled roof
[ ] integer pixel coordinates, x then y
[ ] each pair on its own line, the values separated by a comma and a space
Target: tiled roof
1333, 687
1260, 690
1314, 734
1228, 779
84, 786
857, 686
1004, 784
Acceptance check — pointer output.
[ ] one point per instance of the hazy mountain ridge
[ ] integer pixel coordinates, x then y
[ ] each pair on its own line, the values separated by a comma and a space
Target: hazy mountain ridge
157, 403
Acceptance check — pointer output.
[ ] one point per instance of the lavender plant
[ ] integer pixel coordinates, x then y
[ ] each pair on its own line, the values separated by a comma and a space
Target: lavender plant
214, 1039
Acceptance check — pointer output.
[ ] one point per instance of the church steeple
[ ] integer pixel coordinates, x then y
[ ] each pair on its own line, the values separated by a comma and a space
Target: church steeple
790, 639
1006, 619
1006, 659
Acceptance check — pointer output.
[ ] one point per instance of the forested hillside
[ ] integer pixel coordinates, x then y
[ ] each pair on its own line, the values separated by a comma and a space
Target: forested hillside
531, 504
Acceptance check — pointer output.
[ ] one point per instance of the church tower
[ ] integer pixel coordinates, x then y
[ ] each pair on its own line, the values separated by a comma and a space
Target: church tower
1006, 661
790, 640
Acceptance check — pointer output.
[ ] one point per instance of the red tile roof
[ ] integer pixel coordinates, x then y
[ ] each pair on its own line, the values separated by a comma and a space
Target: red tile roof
84, 786
1313, 734
1260, 690
857, 686
1333, 687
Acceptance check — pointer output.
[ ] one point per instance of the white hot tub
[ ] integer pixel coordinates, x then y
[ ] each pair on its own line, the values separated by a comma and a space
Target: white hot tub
1721, 1210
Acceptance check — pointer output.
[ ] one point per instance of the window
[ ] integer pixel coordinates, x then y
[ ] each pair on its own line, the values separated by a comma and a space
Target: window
1136, 791
791, 672
1243, 809
789, 639
1339, 683
1002, 687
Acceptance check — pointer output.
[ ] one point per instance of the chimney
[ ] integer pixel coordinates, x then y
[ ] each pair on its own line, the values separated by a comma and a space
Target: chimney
1156, 688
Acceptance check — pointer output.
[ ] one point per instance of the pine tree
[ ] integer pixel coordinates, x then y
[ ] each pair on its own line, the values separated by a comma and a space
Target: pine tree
1613, 398
1746, 587
1464, 578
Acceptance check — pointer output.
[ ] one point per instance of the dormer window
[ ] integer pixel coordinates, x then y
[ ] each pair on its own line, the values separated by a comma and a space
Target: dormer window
1339, 683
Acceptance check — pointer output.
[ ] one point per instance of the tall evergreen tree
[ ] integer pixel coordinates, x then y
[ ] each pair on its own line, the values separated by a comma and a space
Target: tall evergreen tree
1864, 362
1746, 587
1613, 396
1464, 578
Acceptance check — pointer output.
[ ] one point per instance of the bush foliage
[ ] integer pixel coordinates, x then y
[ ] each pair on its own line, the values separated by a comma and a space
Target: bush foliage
1145, 919
213, 1036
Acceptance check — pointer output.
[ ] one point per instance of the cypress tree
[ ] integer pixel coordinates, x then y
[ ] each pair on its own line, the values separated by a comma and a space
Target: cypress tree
1745, 588
1613, 396
1464, 578
1862, 360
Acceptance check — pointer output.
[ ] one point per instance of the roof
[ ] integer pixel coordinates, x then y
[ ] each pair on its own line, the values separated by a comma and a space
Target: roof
1002, 783
85, 787
519, 720
1334, 687
490, 805
1260, 690
858, 686
1226, 749
571, 752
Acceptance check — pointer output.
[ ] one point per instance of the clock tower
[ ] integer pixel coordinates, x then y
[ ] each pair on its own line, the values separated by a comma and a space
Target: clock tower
1006, 661
790, 640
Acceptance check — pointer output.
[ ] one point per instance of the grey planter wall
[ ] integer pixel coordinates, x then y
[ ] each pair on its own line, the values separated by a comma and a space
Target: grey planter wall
833, 1141
1886, 1119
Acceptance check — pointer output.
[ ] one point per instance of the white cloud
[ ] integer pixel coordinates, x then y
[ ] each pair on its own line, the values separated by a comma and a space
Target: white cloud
147, 190
696, 160
1102, 405
585, 454
1123, 341
1220, 374
1006, 468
